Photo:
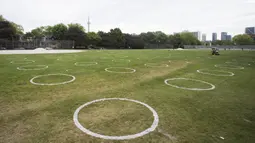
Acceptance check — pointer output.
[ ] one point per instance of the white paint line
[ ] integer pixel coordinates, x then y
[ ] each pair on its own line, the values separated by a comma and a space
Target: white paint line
58, 83
85, 63
248, 121
195, 89
121, 60
203, 71
126, 137
229, 66
108, 70
39, 67
222, 138
22, 62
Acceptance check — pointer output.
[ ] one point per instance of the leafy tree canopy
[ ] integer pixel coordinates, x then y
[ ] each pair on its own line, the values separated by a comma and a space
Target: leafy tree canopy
243, 39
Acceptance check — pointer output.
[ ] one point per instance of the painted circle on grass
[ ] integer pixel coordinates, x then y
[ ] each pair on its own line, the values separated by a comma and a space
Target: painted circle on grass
126, 137
28, 67
229, 67
85, 63
205, 71
230, 62
22, 62
109, 70
153, 65
237, 63
120, 60
57, 83
197, 89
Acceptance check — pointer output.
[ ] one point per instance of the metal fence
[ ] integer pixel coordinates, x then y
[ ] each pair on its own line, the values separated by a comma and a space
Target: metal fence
223, 47
158, 46
32, 44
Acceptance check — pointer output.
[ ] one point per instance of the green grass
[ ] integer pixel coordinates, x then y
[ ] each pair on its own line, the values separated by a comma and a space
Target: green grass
42, 114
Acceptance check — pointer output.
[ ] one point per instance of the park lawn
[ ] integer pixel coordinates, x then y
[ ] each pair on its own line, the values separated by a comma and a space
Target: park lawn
40, 114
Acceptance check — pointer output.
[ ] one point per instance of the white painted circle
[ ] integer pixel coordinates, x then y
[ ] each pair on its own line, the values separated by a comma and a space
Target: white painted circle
151, 65
126, 137
108, 70
229, 66
120, 60
198, 89
230, 62
85, 63
208, 73
58, 83
22, 62
39, 67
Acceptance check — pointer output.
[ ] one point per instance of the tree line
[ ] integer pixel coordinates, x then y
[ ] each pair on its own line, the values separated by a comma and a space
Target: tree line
115, 38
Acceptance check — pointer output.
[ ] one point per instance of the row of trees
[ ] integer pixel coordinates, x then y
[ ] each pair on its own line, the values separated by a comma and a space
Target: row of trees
9, 29
114, 38
241, 39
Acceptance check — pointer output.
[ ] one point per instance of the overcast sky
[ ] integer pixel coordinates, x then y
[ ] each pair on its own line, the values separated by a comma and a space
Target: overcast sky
135, 16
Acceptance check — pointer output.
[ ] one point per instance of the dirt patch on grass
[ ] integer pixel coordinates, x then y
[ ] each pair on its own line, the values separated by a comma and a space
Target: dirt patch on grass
158, 72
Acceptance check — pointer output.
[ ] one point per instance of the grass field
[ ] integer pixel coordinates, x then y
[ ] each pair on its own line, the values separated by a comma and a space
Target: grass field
42, 114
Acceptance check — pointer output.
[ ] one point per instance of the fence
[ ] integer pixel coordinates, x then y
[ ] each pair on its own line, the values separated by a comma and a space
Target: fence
158, 46
223, 47
32, 44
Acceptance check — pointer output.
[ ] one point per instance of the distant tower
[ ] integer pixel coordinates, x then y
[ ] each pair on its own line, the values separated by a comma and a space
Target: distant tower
88, 24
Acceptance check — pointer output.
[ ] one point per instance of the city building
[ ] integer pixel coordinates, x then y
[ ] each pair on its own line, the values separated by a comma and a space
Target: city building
229, 37
197, 35
250, 31
204, 37
214, 36
224, 36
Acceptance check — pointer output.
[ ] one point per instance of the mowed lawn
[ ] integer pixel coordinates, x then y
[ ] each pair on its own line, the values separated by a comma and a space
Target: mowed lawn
42, 114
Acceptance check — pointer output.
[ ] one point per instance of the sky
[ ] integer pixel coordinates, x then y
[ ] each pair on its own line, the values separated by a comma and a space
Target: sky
135, 16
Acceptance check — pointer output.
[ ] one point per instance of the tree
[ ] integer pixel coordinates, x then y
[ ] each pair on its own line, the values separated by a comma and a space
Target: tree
149, 37
100, 33
76, 25
117, 37
59, 31
7, 31
76, 34
37, 33
93, 38
28, 35
160, 37
18, 29
134, 42
242, 39
176, 40
47, 30
188, 38
2, 18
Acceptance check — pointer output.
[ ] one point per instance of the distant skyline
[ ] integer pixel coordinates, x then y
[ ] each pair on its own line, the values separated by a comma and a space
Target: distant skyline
133, 16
